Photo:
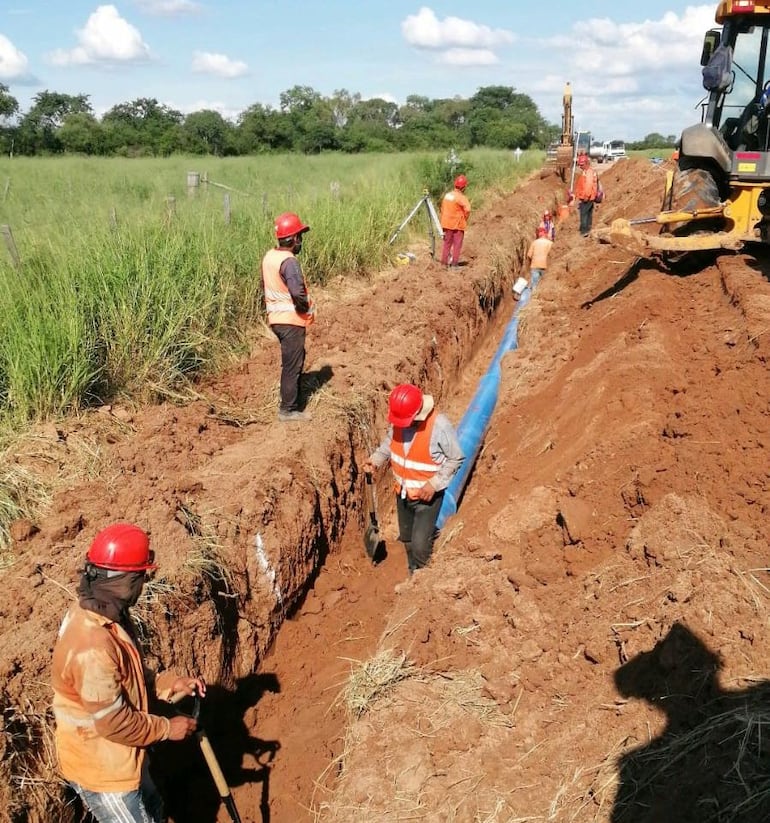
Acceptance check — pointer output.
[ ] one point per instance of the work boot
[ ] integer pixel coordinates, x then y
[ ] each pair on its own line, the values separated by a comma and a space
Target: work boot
294, 417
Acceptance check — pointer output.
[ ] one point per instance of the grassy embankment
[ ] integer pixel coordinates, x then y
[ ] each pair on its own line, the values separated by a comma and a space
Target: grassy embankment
118, 297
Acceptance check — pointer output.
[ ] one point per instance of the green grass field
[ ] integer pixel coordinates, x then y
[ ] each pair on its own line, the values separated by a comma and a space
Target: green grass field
122, 292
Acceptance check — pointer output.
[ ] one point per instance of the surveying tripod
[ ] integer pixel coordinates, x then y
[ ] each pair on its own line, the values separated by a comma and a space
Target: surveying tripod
434, 224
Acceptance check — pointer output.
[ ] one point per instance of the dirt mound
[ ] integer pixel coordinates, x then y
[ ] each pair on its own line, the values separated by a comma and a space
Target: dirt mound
602, 589
586, 644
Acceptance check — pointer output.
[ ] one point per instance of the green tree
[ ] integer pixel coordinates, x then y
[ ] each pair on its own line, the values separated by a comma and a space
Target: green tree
39, 128
82, 133
9, 108
206, 132
143, 126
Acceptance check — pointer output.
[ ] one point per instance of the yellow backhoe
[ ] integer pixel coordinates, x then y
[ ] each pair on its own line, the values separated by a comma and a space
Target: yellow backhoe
560, 155
718, 194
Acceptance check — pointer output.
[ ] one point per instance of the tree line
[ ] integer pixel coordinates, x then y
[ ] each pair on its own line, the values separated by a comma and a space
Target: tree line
305, 121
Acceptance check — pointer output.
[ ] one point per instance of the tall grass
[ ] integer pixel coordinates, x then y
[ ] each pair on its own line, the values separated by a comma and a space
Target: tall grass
104, 307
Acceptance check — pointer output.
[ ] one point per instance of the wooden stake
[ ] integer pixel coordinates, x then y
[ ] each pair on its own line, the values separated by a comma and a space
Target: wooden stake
10, 244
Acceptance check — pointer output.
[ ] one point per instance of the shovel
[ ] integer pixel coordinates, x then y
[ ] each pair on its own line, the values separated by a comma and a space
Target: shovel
211, 760
372, 534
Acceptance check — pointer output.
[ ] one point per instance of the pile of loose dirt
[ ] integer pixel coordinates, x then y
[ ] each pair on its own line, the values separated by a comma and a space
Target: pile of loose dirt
586, 645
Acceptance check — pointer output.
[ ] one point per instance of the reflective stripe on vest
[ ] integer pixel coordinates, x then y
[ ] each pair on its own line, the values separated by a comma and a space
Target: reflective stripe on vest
280, 306
414, 469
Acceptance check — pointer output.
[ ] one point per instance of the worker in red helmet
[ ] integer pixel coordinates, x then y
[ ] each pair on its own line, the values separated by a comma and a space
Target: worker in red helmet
548, 224
455, 211
289, 309
100, 696
586, 190
424, 454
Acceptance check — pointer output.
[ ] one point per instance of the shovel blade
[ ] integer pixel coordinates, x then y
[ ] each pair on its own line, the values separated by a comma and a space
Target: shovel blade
371, 540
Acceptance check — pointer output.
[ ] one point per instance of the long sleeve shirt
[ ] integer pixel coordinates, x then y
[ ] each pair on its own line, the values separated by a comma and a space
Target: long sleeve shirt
295, 283
101, 705
444, 448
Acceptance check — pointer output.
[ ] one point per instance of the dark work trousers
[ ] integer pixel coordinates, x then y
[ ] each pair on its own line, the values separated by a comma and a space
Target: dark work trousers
417, 528
586, 209
292, 362
452, 246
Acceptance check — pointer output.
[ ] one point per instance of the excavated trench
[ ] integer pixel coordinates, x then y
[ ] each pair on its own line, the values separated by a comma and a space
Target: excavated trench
263, 586
280, 730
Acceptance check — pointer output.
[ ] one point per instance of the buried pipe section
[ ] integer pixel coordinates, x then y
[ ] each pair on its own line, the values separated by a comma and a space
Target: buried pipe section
475, 422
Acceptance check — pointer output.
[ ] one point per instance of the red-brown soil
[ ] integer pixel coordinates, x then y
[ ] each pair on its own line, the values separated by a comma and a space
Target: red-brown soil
588, 643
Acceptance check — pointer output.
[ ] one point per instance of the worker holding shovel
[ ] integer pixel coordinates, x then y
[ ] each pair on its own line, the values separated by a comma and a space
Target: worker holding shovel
100, 702
424, 455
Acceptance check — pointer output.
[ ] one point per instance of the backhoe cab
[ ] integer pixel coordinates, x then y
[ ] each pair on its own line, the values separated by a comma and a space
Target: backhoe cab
718, 195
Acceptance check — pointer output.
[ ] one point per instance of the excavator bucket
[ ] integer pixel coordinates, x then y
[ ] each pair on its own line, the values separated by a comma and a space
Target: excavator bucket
621, 233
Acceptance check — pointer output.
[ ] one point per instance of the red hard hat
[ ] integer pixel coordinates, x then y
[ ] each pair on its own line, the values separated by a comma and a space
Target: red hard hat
404, 404
461, 181
122, 547
542, 231
288, 224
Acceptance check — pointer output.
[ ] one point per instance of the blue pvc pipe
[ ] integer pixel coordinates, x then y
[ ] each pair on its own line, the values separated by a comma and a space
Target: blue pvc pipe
475, 422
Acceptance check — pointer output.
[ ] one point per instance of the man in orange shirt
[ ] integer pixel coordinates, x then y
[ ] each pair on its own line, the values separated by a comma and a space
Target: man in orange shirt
455, 210
537, 254
586, 190
101, 702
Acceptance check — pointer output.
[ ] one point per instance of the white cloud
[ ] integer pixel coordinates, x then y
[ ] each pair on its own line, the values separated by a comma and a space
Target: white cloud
168, 8
638, 49
105, 38
206, 62
468, 57
425, 31
628, 79
13, 63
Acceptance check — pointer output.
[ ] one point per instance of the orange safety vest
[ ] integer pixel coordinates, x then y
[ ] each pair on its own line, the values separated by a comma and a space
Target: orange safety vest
280, 306
413, 470
587, 185
455, 210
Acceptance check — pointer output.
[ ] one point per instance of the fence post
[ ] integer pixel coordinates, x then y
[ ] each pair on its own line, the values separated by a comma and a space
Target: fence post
113, 218
205, 181
334, 188
10, 244
226, 203
170, 207
193, 182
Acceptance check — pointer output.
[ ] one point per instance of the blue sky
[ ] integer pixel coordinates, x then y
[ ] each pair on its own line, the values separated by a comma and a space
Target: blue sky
633, 67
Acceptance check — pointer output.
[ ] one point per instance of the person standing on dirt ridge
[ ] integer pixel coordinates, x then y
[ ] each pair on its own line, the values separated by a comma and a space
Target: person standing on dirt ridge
289, 309
424, 455
455, 211
586, 189
100, 695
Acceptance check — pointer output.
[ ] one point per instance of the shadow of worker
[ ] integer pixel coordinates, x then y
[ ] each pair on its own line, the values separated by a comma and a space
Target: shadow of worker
711, 763
228, 718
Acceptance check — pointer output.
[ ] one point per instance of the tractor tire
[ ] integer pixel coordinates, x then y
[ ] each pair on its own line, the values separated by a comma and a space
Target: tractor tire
693, 189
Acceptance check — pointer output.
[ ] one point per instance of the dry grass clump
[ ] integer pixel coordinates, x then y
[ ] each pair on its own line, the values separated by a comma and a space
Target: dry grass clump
374, 679
22, 495
28, 753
